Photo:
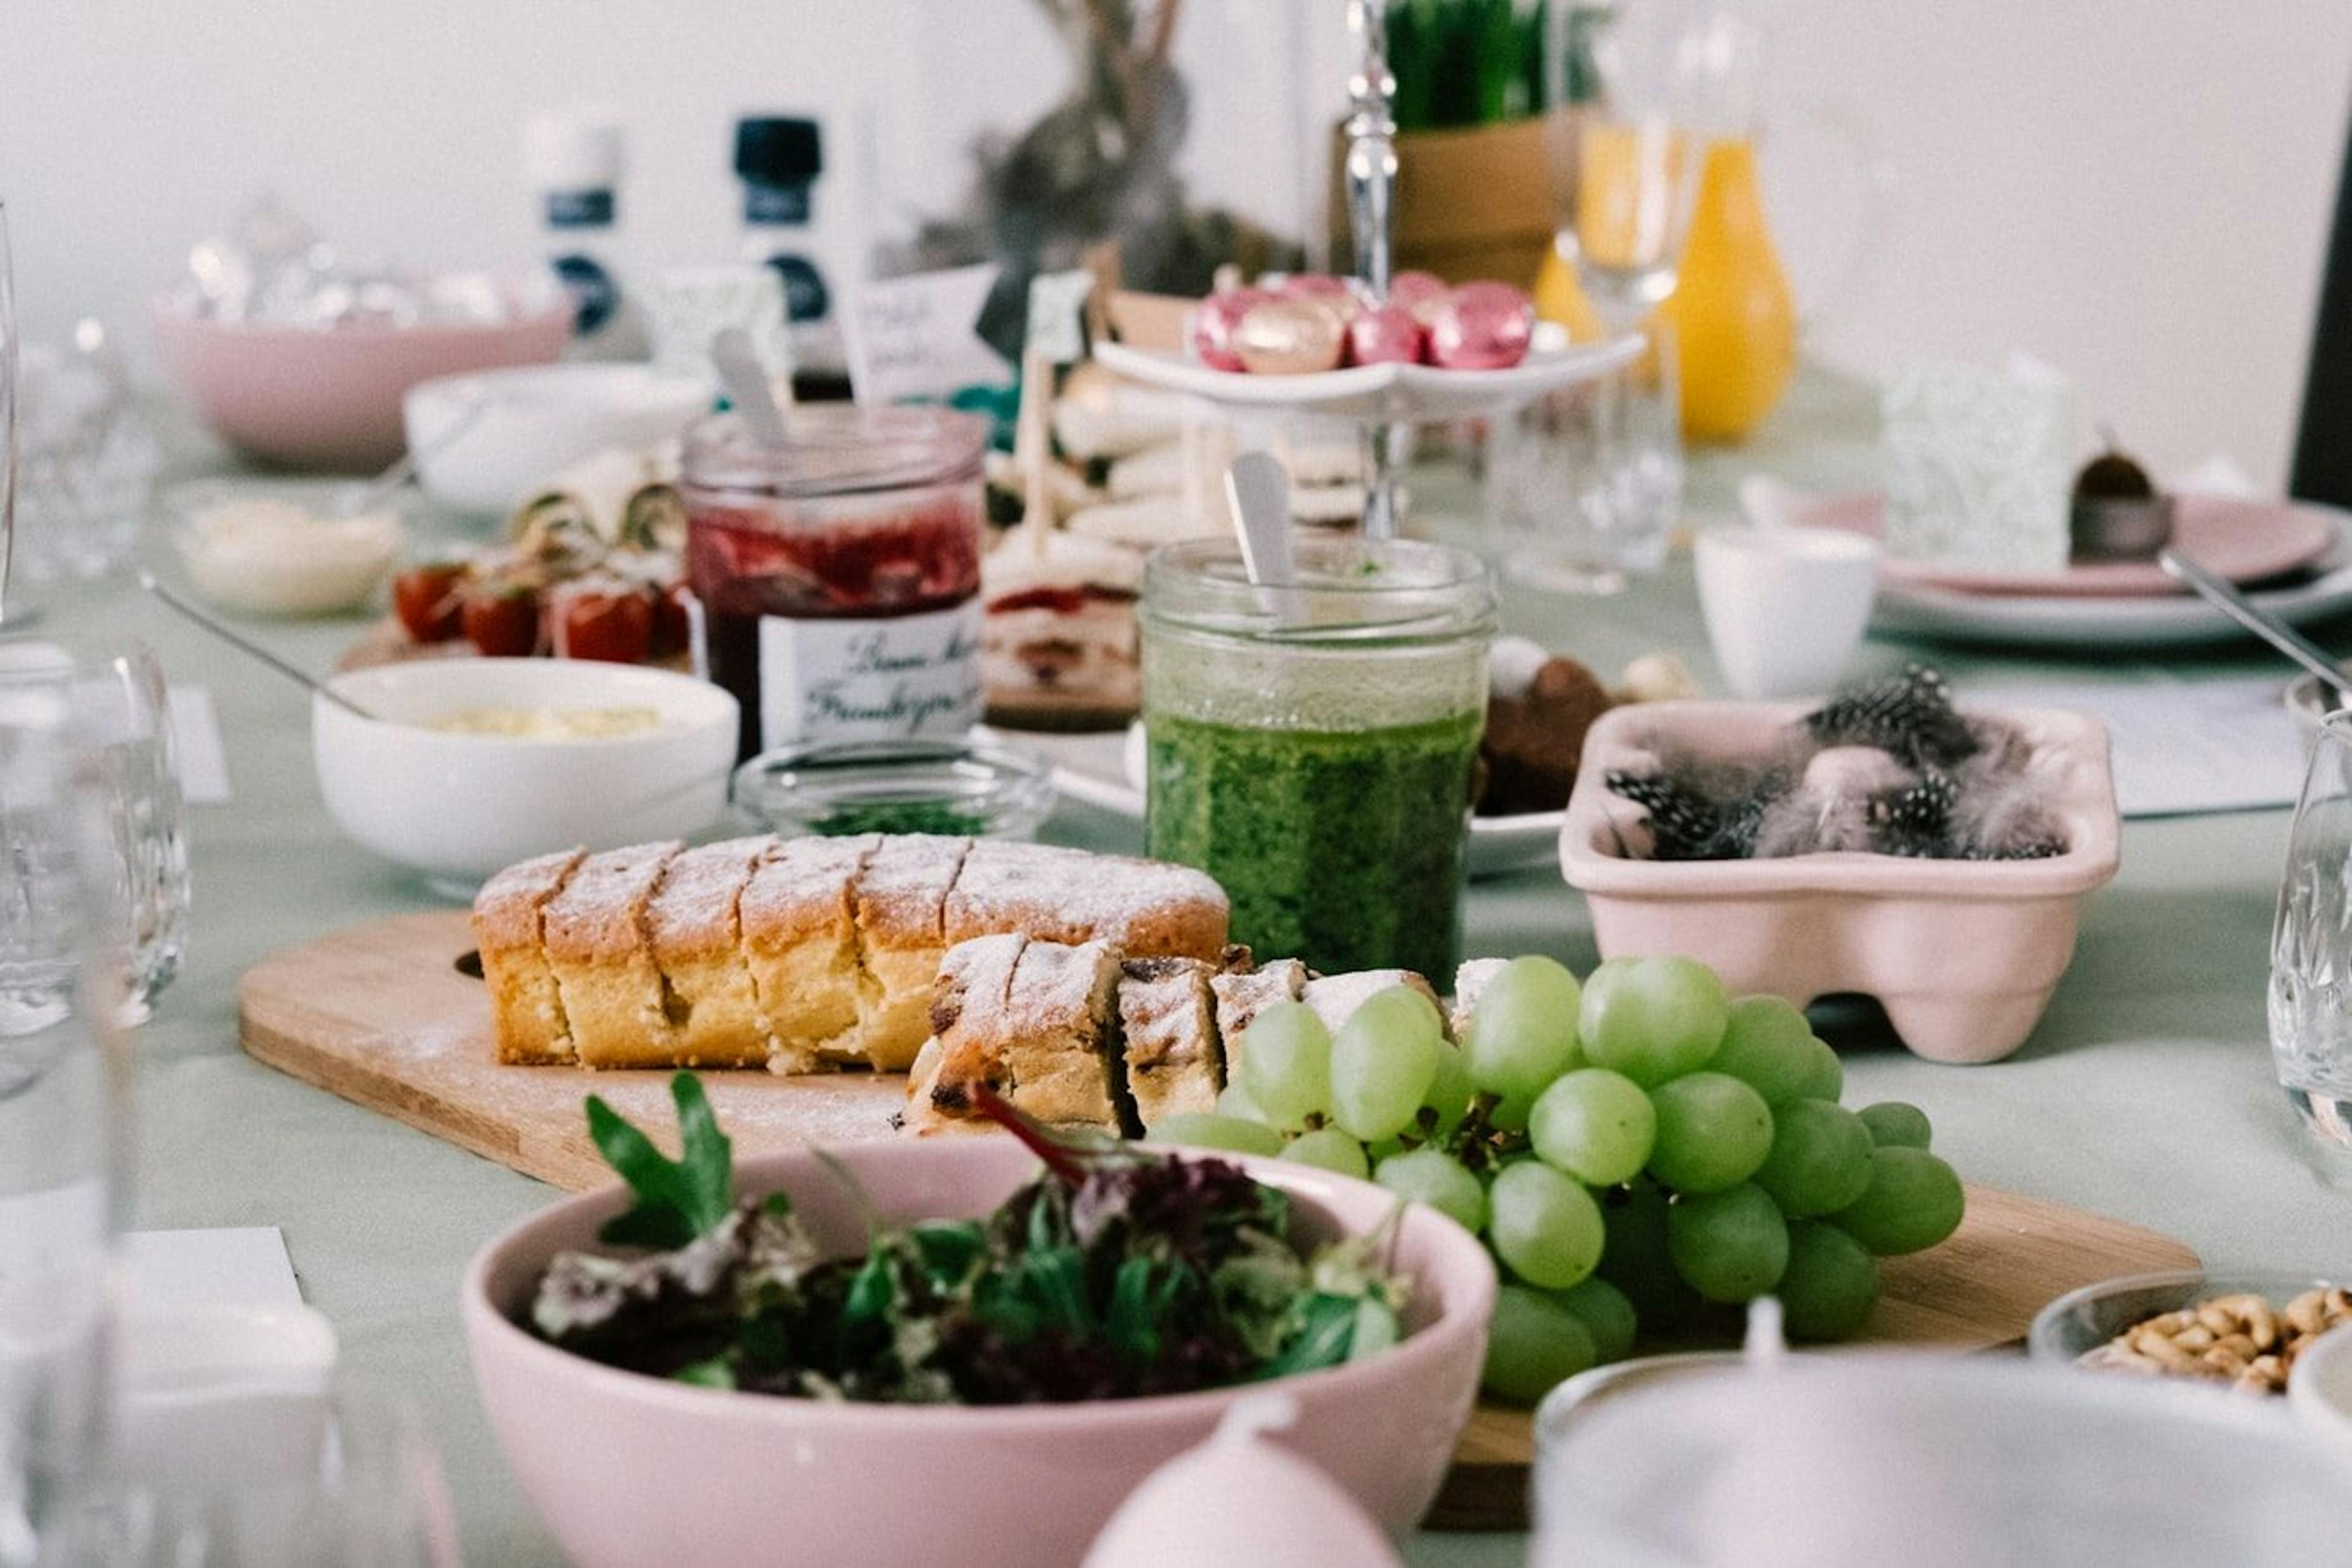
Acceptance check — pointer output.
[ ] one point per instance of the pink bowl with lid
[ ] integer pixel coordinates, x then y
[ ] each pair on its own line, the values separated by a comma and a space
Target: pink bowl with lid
1963, 955
631, 1471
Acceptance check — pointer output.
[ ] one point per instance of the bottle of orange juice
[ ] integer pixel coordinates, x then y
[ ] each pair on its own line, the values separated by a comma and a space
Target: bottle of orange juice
1731, 309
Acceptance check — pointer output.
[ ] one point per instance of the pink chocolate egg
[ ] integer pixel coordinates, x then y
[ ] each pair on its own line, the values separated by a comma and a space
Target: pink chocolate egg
1420, 293
1388, 335
1214, 321
1481, 326
1289, 337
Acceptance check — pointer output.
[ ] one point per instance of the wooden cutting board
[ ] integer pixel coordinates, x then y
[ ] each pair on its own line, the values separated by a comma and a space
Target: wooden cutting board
382, 1016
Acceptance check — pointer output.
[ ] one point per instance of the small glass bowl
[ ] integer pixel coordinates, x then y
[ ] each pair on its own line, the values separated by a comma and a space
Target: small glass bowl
955, 787
2081, 1321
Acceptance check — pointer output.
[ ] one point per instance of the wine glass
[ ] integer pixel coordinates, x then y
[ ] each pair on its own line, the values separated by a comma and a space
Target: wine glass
347, 1479
63, 1149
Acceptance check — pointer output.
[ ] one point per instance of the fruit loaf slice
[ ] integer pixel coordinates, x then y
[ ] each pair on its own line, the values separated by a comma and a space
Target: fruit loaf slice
597, 945
799, 920
1167, 1030
695, 924
526, 1005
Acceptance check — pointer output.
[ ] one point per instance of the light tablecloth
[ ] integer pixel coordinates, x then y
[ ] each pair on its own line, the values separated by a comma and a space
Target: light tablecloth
2146, 1093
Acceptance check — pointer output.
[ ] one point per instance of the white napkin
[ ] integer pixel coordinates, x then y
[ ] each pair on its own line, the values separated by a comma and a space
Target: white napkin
2183, 748
238, 1267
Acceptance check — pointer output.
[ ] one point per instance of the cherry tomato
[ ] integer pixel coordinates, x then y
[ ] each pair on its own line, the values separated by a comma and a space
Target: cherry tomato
615, 626
673, 628
430, 602
502, 621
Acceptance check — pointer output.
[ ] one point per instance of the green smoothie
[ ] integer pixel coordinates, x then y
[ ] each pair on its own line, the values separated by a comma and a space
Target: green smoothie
1343, 848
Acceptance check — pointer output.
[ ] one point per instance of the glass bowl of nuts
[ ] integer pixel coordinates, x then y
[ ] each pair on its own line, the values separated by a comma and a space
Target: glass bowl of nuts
2241, 1330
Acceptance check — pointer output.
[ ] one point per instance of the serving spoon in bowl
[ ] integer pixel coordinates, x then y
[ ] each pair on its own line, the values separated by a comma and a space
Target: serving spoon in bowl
244, 645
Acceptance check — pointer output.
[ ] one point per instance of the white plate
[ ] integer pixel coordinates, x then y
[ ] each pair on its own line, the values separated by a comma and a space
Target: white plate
2171, 621
1107, 771
1413, 394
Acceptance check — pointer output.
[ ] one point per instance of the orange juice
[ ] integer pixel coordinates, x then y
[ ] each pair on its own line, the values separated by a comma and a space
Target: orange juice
1731, 309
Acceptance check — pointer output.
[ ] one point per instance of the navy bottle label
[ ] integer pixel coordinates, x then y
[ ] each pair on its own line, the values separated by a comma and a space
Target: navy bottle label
775, 204
806, 296
579, 209
595, 297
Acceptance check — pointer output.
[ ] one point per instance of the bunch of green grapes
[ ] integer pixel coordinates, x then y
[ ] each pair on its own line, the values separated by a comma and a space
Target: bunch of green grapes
1634, 1150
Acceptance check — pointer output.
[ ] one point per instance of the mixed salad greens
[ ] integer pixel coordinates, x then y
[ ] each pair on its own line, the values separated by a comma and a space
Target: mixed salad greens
1116, 1271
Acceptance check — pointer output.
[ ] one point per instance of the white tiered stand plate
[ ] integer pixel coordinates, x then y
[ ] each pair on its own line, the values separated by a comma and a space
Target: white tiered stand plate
1379, 393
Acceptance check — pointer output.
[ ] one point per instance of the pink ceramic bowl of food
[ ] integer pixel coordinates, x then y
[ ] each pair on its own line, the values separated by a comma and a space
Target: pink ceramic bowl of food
1963, 955
632, 1471
328, 398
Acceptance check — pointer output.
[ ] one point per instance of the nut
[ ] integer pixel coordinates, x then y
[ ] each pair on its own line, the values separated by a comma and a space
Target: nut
2242, 1340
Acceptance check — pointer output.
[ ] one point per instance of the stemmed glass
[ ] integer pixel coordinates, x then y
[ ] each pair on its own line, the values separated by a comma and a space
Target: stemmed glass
62, 1135
1589, 478
2310, 944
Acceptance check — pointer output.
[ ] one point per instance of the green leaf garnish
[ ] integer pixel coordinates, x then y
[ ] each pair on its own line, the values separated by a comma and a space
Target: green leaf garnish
678, 1199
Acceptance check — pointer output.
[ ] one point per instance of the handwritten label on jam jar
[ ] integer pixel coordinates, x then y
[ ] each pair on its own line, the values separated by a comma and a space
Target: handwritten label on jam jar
852, 678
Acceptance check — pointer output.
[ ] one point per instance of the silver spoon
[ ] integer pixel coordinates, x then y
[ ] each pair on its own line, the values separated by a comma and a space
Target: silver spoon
1257, 489
236, 640
2224, 598
737, 364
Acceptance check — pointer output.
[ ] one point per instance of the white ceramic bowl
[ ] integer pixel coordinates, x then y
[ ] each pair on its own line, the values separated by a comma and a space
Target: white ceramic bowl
459, 807
345, 561
630, 1471
521, 426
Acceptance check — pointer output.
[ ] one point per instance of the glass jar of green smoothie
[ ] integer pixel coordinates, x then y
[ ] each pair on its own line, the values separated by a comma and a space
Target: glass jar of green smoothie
1311, 746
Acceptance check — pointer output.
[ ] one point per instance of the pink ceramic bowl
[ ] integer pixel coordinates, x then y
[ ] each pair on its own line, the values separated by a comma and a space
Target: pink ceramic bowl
328, 398
631, 1471
1962, 954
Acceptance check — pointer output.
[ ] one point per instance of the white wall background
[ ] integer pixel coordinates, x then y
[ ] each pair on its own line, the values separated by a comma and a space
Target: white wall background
2136, 190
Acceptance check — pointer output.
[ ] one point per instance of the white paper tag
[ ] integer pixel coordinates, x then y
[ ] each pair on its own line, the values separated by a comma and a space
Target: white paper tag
869, 678
913, 337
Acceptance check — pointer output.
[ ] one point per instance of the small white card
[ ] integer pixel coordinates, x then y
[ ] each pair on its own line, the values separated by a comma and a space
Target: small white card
914, 337
1057, 308
197, 746
2185, 748
238, 1266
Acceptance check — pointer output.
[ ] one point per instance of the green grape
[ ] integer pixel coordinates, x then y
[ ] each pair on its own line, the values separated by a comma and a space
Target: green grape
1653, 1018
1894, 1124
1437, 1178
1208, 1130
1713, 1132
1824, 1074
1522, 1034
1819, 1159
1510, 1114
1286, 1064
1328, 1149
1830, 1285
1635, 1257
1913, 1201
1606, 1312
1596, 1125
1730, 1246
1767, 1045
1233, 1100
1533, 1345
1545, 1225
1382, 1061
1448, 1099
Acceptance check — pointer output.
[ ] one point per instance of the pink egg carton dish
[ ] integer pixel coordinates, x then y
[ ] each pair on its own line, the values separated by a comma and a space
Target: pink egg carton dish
1963, 955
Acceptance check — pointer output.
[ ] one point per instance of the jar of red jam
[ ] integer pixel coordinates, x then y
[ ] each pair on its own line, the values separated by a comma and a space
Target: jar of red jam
837, 576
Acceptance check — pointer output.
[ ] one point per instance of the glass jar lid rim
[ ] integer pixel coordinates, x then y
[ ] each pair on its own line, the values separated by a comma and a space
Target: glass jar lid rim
1348, 590
837, 449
